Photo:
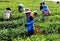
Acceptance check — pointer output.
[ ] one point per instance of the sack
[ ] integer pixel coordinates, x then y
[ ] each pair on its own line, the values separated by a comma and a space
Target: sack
37, 29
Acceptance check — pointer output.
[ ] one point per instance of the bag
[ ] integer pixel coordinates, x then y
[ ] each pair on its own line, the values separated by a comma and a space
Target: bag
37, 29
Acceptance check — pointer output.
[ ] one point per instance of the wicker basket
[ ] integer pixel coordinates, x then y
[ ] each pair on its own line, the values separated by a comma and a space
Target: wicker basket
37, 29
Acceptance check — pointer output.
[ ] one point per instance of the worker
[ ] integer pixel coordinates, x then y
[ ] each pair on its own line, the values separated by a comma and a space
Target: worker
45, 11
20, 7
29, 22
7, 14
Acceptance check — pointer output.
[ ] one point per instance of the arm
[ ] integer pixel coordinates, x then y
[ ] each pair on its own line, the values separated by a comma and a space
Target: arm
10, 14
30, 22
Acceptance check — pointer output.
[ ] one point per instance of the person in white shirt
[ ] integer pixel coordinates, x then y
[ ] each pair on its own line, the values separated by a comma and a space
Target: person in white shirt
7, 14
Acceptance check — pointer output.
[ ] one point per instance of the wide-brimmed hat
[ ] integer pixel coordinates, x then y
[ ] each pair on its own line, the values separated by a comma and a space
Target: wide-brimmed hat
27, 10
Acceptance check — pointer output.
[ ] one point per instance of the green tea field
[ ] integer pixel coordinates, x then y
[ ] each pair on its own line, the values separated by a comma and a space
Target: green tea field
15, 30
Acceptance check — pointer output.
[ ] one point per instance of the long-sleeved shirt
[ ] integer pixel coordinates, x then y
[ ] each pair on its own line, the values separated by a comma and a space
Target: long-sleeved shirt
29, 24
45, 7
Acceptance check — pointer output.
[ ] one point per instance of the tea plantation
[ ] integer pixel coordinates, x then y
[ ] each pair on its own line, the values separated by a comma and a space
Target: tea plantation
15, 30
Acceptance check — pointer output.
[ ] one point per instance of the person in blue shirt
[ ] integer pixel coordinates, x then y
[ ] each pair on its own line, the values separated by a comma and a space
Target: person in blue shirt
29, 23
45, 7
45, 11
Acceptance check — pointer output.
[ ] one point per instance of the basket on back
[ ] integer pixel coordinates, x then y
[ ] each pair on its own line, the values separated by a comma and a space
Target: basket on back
37, 29
46, 13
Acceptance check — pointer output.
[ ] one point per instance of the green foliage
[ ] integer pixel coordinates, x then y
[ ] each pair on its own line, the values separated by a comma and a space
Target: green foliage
15, 30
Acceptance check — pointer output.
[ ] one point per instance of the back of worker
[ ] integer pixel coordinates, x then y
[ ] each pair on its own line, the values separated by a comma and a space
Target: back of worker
7, 13
45, 10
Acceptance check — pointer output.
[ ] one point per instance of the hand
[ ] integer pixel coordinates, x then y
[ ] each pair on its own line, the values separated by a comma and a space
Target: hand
25, 25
